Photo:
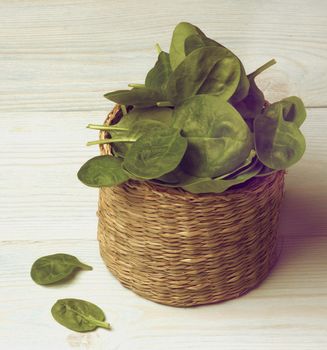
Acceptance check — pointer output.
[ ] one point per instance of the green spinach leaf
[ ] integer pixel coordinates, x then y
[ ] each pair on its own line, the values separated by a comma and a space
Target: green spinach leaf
137, 122
242, 87
252, 105
78, 315
177, 46
197, 41
249, 161
218, 139
53, 268
102, 171
177, 177
218, 185
132, 126
140, 97
293, 110
208, 70
155, 153
158, 76
278, 141
265, 171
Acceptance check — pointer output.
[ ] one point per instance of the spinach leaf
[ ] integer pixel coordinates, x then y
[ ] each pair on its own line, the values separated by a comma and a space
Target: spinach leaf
278, 141
160, 114
102, 171
177, 48
265, 171
249, 161
177, 177
158, 76
125, 136
218, 185
136, 123
242, 87
208, 70
155, 153
252, 105
78, 315
140, 97
218, 138
173, 178
293, 110
53, 268
197, 41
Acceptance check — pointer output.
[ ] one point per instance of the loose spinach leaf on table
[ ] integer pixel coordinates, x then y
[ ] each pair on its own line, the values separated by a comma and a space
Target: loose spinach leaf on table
102, 171
155, 153
218, 138
208, 70
79, 315
278, 140
54, 268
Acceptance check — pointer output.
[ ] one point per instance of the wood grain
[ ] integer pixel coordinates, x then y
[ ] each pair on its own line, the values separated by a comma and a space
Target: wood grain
57, 59
63, 55
288, 311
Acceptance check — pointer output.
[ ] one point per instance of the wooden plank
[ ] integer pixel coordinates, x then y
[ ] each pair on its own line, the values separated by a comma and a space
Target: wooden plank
63, 55
56, 61
41, 197
288, 311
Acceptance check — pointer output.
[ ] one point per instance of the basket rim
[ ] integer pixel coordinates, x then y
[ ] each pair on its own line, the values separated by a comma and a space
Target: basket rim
252, 185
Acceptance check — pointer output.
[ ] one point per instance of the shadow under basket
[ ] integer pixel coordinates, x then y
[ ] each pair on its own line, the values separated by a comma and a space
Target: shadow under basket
182, 249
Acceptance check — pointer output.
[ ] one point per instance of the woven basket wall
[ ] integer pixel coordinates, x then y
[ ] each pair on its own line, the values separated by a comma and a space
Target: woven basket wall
184, 249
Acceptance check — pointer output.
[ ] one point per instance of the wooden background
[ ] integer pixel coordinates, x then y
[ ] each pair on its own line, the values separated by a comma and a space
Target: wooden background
57, 58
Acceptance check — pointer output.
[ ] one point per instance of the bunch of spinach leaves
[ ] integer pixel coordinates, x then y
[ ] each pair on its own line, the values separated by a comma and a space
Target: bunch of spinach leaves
198, 122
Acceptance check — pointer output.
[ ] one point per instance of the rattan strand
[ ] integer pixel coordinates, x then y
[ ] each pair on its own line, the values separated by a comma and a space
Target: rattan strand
181, 249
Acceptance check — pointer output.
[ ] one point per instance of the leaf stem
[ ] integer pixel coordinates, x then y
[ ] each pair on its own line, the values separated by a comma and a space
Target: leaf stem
85, 267
133, 85
164, 104
105, 127
90, 318
101, 324
102, 142
159, 50
263, 68
123, 109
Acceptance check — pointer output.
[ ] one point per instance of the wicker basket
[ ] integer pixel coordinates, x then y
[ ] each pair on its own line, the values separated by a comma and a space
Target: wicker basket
182, 249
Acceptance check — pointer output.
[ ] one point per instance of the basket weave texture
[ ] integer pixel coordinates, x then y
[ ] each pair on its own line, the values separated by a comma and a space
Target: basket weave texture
184, 249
